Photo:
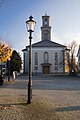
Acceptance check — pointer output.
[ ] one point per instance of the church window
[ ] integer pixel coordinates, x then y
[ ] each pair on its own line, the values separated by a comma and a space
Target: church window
36, 58
36, 61
45, 22
46, 19
56, 60
46, 35
79, 58
24, 62
79, 64
46, 57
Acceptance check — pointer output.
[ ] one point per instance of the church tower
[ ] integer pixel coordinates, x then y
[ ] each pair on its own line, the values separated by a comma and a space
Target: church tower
45, 29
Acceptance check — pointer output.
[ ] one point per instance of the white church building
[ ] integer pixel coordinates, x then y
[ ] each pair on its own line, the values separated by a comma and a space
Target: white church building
48, 57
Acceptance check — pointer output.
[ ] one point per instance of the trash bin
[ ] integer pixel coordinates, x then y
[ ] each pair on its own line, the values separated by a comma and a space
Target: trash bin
1, 80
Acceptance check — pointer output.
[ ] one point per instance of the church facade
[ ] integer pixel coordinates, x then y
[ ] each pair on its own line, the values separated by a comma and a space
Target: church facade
48, 57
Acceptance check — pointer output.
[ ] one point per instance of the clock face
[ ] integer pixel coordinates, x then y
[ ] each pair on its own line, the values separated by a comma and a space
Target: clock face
45, 22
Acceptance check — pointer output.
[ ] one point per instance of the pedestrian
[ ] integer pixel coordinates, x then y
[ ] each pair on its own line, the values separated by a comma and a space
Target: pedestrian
13, 75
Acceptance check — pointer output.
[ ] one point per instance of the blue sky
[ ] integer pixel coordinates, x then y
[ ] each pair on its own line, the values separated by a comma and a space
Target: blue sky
64, 21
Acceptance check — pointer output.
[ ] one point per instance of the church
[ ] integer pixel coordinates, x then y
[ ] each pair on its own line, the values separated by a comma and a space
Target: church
48, 57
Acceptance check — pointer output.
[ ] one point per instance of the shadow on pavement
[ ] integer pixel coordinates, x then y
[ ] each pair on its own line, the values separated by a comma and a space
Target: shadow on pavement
70, 108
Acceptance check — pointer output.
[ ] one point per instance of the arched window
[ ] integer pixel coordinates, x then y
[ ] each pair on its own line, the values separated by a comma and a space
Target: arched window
36, 58
46, 35
56, 60
79, 64
46, 57
79, 58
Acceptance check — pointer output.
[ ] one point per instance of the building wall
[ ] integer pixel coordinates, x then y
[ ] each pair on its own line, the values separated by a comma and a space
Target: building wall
25, 61
79, 61
41, 51
51, 52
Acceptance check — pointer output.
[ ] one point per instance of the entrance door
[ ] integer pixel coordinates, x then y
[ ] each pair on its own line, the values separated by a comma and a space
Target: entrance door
45, 69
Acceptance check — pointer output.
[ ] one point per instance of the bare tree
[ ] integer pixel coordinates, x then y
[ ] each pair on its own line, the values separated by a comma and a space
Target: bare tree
71, 57
72, 46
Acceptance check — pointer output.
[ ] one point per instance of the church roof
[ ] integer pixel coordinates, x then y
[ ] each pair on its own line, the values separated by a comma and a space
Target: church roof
47, 43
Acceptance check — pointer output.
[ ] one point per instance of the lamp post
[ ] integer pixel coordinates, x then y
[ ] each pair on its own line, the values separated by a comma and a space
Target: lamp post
30, 28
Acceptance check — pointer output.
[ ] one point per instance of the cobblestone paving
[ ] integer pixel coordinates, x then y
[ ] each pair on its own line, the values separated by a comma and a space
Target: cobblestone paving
55, 98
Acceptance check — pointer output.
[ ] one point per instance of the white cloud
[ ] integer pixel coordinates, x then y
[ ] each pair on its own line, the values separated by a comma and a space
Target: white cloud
70, 36
54, 37
58, 38
66, 38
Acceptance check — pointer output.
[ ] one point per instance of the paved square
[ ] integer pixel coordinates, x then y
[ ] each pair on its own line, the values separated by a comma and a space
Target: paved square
60, 93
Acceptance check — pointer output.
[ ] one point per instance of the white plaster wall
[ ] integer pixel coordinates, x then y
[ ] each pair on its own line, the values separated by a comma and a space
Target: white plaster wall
51, 52
26, 66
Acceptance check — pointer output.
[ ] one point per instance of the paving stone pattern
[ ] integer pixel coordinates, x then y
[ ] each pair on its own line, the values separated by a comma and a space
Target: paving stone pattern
54, 98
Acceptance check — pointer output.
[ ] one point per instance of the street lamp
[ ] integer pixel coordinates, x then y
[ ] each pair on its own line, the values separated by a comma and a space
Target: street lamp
30, 24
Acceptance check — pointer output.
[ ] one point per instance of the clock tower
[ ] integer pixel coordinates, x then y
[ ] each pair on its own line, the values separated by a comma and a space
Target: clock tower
46, 29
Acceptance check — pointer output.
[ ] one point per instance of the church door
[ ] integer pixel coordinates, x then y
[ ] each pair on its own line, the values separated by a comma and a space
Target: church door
45, 69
